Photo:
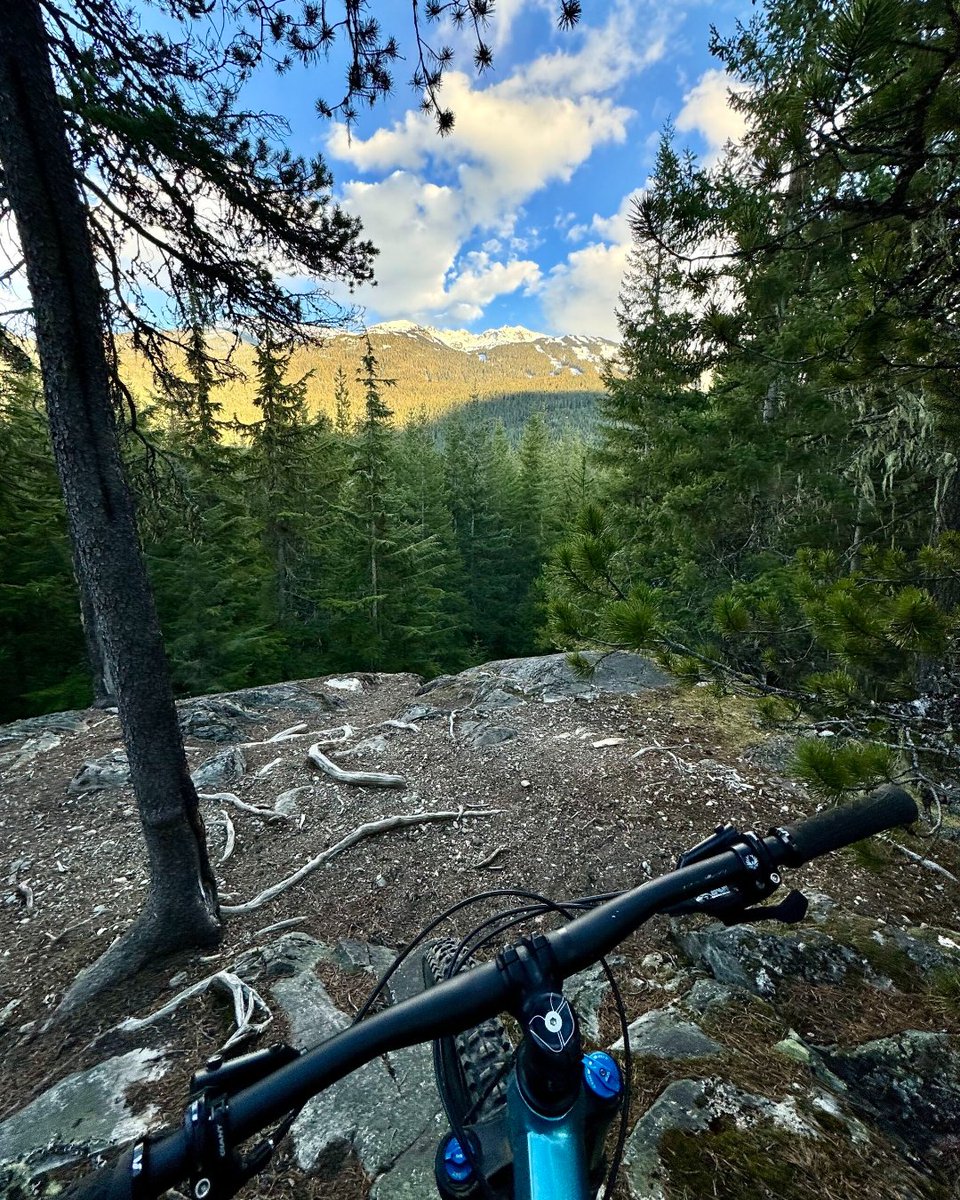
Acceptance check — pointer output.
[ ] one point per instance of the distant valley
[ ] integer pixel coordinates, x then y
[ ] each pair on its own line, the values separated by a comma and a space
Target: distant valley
434, 371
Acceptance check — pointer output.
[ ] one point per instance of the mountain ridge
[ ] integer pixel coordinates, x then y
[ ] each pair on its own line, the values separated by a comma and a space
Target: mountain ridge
432, 371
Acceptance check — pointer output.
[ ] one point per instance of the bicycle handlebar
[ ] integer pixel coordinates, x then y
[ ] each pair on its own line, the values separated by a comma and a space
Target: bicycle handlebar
467, 999
886, 808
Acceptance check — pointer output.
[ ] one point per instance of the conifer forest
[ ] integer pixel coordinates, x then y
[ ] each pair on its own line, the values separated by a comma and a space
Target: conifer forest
767, 496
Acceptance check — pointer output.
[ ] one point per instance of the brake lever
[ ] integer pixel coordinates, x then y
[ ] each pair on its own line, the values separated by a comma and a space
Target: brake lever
790, 911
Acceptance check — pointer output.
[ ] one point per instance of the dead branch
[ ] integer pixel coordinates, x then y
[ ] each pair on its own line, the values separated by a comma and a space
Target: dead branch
265, 814
924, 862
358, 778
326, 737
492, 857
368, 829
266, 769
246, 1001
277, 925
285, 735
394, 724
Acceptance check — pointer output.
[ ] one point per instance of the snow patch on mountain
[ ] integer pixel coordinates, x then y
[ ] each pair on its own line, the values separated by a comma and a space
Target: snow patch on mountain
462, 339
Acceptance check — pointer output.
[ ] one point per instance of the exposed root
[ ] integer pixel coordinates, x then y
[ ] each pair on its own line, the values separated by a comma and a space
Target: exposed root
358, 778
369, 829
246, 1001
231, 837
265, 814
151, 937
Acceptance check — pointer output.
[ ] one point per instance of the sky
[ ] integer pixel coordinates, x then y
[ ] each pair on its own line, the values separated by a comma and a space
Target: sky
520, 215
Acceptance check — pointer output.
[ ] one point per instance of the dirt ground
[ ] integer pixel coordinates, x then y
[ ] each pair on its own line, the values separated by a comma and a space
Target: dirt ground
566, 814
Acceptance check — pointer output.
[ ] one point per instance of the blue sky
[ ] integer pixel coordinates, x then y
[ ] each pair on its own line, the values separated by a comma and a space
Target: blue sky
519, 216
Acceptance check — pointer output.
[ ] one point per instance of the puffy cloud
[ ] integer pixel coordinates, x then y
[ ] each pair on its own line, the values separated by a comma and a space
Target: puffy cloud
512, 138
420, 228
506, 145
580, 295
706, 109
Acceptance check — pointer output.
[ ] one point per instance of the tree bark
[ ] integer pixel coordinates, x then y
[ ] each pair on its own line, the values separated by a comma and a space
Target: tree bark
40, 185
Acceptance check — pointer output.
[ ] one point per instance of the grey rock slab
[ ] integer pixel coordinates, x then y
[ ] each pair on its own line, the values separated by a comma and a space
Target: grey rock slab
85, 1114
681, 1106
216, 720
226, 767
412, 1177
909, 1084
380, 1111
101, 774
289, 803
586, 992
694, 1106
481, 736
61, 722
932, 951
552, 675
421, 712
291, 696
32, 748
665, 1033
709, 995
760, 961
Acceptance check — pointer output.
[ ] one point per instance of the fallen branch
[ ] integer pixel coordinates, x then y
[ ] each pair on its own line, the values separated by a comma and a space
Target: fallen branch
394, 724
326, 739
246, 1001
266, 769
492, 857
265, 814
924, 862
290, 921
358, 778
285, 735
357, 835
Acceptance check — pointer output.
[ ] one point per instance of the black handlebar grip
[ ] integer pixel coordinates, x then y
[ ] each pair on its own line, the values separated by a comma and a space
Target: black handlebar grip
112, 1182
886, 808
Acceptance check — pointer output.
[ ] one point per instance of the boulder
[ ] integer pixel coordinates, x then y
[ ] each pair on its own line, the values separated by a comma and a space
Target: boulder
665, 1033
908, 1084
216, 720
388, 1112
226, 767
697, 1106
100, 774
745, 956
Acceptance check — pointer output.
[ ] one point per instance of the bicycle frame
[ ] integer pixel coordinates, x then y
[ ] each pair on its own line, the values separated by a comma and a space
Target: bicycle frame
549, 1153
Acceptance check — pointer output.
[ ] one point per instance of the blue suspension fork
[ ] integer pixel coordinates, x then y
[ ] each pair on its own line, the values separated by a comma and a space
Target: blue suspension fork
559, 1104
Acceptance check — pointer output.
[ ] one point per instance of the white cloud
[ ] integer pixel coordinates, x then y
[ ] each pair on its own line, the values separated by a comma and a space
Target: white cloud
580, 295
506, 145
512, 138
420, 228
706, 110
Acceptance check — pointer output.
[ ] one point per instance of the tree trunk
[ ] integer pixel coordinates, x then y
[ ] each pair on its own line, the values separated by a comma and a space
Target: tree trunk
101, 671
40, 185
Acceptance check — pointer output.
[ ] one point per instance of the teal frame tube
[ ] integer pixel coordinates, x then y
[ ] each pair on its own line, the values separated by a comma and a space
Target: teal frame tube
549, 1153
